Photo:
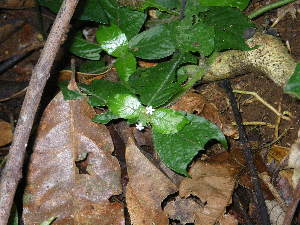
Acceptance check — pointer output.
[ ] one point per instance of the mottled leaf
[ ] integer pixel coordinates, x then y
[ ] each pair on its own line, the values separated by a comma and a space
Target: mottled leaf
168, 121
83, 48
177, 150
125, 106
112, 40
72, 173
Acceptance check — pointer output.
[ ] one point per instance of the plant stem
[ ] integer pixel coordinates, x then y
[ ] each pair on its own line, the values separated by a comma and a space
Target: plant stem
268, 8
12, 171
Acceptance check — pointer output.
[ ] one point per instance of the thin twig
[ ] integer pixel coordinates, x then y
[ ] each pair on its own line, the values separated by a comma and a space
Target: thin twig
12, 171
259, 198
15, 95
254, 94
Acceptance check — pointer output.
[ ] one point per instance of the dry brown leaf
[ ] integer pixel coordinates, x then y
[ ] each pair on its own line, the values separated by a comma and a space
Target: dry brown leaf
146, 190
213, 183
277, 153
85, 78
56, 186
17, 4
193, 102
6, 133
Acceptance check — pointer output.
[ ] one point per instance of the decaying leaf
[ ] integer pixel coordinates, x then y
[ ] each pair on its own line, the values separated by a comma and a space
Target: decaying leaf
146, 190
193, 102
72, 173
294, 160
6, 133
212, 184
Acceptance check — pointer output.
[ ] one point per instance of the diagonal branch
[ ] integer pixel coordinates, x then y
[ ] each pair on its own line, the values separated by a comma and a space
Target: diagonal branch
12, 172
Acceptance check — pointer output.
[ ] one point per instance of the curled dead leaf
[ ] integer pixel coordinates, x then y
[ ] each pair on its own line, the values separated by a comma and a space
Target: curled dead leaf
146, 190
72, 173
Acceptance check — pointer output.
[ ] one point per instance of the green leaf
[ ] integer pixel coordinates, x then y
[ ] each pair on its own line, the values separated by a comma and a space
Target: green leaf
241, 4
229, 24
168, 121
125, 106
89, 10
193, 8
293, 85
105, 118
157, 85
100, 91
129, 21
191, 36
83, 48
126, 66
67, 93
112, 40
94, 67
155, 43
178, 150
48, 221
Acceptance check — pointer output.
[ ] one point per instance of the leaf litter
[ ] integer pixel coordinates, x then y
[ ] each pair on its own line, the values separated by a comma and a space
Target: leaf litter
55, 185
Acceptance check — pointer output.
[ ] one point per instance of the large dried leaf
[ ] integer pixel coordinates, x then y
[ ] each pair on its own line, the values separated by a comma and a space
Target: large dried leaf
55, 185
6, 133
17, 4
146, 190
210, 186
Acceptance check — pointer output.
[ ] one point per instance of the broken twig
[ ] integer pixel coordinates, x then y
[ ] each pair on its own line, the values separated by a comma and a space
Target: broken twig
259, 198
12, 172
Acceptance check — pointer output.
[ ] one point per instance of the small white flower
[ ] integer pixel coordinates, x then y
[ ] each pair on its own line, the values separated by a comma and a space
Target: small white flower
149, 110
139, 126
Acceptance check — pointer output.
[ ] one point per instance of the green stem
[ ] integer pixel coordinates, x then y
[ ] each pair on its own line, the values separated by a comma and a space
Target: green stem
268, 8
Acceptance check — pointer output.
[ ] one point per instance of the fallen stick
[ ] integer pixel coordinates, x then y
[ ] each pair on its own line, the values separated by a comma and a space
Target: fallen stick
12, 172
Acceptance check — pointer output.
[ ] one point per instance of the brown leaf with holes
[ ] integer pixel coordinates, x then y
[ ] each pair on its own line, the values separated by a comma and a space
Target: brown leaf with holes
213, 184
193, 102
85, 78
146, 190
6, 133
72, 173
